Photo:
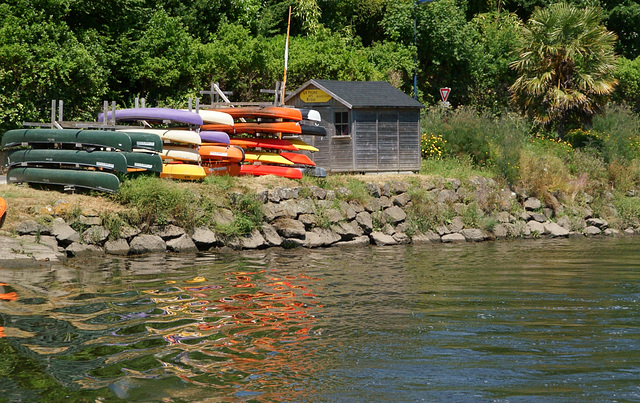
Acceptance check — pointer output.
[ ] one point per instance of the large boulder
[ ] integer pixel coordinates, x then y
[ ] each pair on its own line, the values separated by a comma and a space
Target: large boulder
289, 228
182, 244
204, 238
117, 247
382, 239
64, 233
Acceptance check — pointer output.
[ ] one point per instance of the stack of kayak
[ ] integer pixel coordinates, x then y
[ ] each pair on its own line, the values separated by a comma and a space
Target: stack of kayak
269, 136
218, 156
78, 158
180, 145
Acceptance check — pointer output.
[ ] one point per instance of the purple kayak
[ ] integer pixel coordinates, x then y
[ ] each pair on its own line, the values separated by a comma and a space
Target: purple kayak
174, 115
209, 136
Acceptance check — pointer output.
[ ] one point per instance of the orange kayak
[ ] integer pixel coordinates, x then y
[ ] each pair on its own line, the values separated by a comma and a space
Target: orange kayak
221, 153
260, 170
3, 207
221, 168
255, 127
269, 112
298, 158
257, 142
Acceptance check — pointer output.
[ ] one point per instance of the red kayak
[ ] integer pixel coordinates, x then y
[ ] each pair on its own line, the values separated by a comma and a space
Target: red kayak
259, 170
255, 127
257, 142
298, 158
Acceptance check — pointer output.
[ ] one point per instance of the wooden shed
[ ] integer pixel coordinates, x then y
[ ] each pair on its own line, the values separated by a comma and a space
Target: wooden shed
371, 125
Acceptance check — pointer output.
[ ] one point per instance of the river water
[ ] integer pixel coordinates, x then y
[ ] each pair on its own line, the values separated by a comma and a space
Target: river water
536, 320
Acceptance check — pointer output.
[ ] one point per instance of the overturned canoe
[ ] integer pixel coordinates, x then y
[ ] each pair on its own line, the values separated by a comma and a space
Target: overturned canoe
171, 136
209, 136
155, 114
107, 160
76, 138
95, 180
145, 139
143, 161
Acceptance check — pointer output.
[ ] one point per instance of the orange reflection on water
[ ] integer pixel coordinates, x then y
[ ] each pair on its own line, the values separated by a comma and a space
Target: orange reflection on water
257, 335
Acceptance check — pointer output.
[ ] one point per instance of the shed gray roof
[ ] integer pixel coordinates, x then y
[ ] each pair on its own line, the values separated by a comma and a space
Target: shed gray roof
362, 94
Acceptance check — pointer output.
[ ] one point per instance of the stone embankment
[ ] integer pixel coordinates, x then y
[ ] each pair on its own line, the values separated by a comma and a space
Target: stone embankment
310, 217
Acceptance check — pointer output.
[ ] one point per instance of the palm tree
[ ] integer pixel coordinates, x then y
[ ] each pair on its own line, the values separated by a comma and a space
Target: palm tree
565, 67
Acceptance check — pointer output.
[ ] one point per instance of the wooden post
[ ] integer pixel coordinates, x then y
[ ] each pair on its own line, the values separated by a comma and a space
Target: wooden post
53, 113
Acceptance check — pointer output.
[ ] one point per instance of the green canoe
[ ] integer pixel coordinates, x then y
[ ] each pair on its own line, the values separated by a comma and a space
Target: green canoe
147, 141
148, 161
79, 138
108, 160
96, 180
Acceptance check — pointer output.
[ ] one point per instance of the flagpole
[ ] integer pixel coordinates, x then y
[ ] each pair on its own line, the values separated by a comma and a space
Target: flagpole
286, 58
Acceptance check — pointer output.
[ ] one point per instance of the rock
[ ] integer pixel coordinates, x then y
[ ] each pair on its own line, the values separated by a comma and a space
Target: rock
555, 230
182, 244
320, 237
128, 232
167, 232
442, 230
254, 240
290, 228
359, 241
347, 211
18, 252
612, 232
204, 238
347, 231
536, 227
401, 238
398, 187
388, 229
503, 217
457, 224
270, 235
77, 249
373, 189
304, 206
537, 217
309, 220
592, 230
31, 227
333, 215
223, 216
89, 221
500, 231
401, 200
629, 231
421, 238
394, 215
564, 222
447, 196
95, 235
117, 247
382, 239
473, 235
597, 222
318, 193
454, 183
64, 233
365, 221
453, 238
145, 243
272, 211
532, 203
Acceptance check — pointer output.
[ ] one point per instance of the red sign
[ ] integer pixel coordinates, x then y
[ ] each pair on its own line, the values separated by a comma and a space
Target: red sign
444, 93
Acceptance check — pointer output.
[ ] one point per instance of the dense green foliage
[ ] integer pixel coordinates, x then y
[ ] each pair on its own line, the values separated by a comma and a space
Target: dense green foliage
84, 52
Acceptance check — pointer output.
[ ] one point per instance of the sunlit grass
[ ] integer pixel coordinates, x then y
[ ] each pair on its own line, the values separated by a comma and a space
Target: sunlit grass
451, 167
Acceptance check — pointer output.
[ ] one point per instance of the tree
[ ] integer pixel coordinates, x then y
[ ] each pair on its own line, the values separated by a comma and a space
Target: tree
565, 67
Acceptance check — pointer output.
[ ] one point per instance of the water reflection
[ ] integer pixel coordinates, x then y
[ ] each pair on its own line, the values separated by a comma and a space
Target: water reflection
496, 321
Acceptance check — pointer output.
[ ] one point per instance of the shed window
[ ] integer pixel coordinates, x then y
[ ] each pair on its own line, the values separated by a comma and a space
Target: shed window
342, 123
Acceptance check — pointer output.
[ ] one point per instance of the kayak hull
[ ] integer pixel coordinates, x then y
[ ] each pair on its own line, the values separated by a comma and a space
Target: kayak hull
183, 172
256, 142
106, 160
69, 137
221, 168
221, 153
95, 180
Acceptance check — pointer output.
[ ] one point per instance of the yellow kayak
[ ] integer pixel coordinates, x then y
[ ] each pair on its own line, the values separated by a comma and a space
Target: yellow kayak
189, 172
301, 145
262, 156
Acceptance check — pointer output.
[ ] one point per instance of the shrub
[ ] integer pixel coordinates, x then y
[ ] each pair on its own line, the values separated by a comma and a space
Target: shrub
432, 146
622, 130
